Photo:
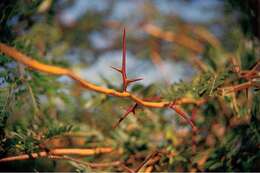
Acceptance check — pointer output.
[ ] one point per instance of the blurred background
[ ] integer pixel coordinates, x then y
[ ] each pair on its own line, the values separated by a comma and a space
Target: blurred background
170, 43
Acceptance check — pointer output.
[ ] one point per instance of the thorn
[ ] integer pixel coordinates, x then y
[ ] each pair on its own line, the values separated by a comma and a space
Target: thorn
129, 110
124, 77
123, 68
124, 54
118, 70
133, 80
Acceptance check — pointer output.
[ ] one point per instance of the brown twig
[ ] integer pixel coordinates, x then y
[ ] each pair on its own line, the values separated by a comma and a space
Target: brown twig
184, 115
151, 159
93, 165
238, 87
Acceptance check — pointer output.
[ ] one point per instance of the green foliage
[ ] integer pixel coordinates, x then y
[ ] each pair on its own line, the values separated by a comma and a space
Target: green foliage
205, 84
58, 130
238, 150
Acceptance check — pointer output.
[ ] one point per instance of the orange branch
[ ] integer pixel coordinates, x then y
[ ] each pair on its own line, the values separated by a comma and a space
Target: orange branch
50, 69
59, 152
205, 36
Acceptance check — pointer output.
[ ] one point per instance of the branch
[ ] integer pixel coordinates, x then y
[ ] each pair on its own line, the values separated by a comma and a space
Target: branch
182, 40
235, 88
93, 165
151, 159
30, 62
51, 69
59, 152
184, 115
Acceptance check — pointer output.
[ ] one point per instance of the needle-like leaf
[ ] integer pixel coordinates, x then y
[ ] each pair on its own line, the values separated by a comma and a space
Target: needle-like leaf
133, 80
117, 69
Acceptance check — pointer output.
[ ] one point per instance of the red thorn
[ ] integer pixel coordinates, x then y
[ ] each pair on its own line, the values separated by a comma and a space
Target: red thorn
180, 112
123, 68
133, 80
124, 77
124, 54
128, 111
118, 70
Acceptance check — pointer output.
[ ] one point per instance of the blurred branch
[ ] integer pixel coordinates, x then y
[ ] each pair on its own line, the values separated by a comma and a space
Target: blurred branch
149, 161
239, 87
182, 39
157, 60
194, 59
60, 151
205, 36
93, 165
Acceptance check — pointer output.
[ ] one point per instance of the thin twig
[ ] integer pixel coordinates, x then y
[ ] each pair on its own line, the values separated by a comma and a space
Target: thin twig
236, 88
184, 115
149, 158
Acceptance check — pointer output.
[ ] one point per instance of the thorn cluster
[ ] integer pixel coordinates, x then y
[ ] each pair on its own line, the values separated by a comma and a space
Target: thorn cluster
126, 81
